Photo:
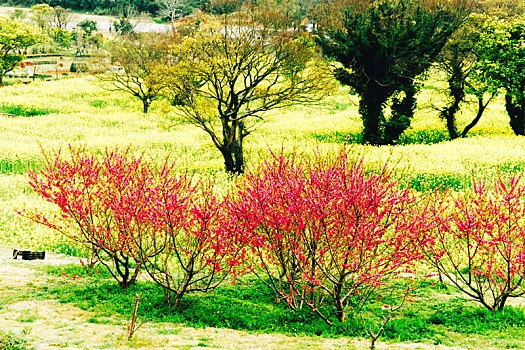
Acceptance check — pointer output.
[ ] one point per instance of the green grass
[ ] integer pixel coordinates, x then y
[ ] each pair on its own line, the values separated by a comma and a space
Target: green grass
13, 341
251, 307
24, 111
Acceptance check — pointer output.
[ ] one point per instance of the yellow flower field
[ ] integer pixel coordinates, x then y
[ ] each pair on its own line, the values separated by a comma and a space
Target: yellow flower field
80, 111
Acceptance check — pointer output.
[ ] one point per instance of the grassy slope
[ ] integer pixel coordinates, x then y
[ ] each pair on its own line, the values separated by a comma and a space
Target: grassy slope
79, 111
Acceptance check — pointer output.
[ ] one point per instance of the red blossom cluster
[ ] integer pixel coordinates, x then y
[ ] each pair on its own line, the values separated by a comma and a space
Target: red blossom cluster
325, 231
321, 232
133, 215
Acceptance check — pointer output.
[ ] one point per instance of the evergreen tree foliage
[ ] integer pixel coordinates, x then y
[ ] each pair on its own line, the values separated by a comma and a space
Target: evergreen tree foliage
383, 47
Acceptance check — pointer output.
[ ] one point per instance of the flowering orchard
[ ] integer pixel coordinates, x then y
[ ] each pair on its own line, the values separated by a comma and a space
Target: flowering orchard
321, 232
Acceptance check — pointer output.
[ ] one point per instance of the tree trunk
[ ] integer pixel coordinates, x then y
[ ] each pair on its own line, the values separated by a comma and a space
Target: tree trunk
232, 150
339, 309
402, 113
373, 343
501, 304
371, 110
457, 93
481, 108
516, 111
145, 105
229, 163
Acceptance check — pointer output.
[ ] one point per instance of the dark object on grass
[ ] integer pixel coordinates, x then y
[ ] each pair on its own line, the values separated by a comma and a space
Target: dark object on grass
28, 255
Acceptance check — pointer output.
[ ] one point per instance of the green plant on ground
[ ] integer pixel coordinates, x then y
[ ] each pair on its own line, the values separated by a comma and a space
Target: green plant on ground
14, 341
250, 306
25, 111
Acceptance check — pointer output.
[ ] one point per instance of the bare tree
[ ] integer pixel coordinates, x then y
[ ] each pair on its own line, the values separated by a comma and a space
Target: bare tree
61, 17
132, 67
172, 9
42, 15
229, 72
125, 25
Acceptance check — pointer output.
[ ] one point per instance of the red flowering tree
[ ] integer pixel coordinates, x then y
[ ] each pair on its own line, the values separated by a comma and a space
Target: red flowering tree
327, 234
133, 215
479, 242
103, 203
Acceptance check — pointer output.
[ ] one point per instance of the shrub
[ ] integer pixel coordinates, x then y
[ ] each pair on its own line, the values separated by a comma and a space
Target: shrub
324, 232
479, 241
103, 204
78, 67
132, 214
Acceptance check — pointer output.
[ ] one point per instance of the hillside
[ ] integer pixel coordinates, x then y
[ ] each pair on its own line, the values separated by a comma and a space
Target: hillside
143, 24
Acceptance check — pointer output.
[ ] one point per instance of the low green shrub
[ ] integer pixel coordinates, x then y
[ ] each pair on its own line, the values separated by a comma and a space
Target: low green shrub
461, 318
78, 67
26, 111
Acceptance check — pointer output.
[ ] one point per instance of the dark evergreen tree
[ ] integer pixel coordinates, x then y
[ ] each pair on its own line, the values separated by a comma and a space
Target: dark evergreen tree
383, 47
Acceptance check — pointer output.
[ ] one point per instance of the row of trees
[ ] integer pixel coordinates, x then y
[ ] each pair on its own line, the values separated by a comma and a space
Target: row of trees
222, 73
55, 23
160, 8
110, 7
384, 48
322, 233
46, 24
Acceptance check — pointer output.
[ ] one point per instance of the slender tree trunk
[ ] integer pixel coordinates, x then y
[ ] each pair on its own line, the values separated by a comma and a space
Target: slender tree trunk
188, 276
180, 294
516, 111
481, 109
457, 94
122, 269
502, 302
339, 308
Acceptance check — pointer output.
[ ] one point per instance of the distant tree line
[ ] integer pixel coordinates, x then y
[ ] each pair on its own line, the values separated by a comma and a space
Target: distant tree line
298, 8
105, 7
152, 7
